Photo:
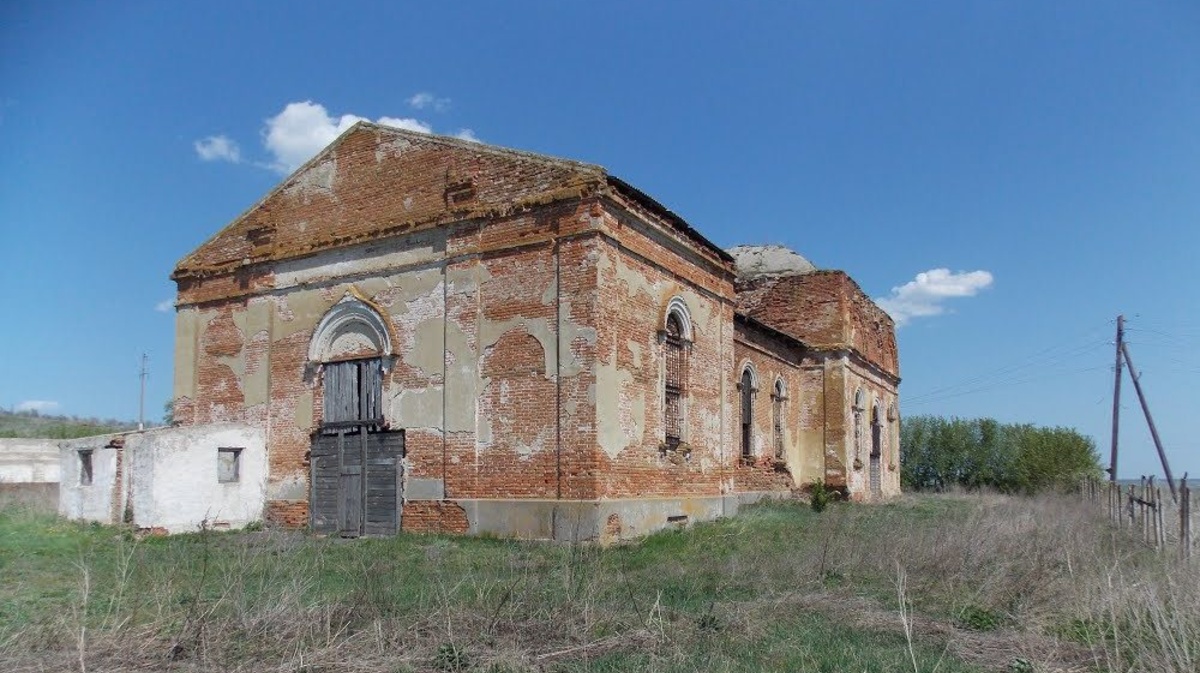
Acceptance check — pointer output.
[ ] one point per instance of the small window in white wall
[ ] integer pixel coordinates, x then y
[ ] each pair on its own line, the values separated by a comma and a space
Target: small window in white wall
85, 467
229, 465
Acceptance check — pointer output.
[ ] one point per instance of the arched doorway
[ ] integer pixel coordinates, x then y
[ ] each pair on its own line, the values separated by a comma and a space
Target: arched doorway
356, 462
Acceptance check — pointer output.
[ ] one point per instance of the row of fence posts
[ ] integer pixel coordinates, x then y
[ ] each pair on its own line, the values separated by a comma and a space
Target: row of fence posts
1141, 509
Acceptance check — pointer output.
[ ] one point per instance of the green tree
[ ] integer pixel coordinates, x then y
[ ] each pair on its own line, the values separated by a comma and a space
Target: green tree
976, 453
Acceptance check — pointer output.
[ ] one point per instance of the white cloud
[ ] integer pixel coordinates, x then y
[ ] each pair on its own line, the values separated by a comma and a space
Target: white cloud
468, 135
426, 100
165, 306
300, 131
408, 124
40, 406
303, 129
924, 295
218, 148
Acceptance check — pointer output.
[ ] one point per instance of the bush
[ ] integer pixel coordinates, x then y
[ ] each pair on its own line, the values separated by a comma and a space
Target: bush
819, 496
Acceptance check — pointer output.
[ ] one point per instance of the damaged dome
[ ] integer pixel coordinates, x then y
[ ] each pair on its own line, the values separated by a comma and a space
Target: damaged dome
757, 261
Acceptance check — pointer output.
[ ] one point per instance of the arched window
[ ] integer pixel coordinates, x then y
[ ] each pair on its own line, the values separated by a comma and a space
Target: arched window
675, 381
350, 346
747, 394
876, 429
859, 406
876, 472
777, 398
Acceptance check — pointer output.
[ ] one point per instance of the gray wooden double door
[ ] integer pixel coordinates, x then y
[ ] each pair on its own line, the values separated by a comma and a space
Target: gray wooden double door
357, 482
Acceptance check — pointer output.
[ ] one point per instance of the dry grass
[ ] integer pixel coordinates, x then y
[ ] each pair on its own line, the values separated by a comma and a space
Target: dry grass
986, 583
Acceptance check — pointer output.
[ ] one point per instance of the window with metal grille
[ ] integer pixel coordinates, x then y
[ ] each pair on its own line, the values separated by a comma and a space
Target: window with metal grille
675, 382
747, 391
353, 393
777, 411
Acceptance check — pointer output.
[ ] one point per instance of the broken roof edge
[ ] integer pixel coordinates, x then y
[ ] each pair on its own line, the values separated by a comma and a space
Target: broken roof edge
750, 320
650, 203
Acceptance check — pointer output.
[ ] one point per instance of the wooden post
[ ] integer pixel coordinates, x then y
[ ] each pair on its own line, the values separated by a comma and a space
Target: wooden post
1185, 519
1160, 531
1129, 508
1141, 498
1112, 520
1116, 413
1137, 386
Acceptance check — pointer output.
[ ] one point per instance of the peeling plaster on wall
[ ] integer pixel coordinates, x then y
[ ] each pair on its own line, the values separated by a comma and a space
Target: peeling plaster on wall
300, 311
463, 383
316, 180
425, 352
373, 287
569, 363
539, 328
543, 441
391, 148
467, 279
288, 488
256, 322
483, 429
612, 381
237, 364
186, 338
364, 261
636, 353
421, 293
618, 428
304, 411
412, 408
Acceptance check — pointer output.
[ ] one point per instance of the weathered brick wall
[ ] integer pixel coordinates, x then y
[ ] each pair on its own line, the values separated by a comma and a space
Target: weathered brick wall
479, 377
641, 271
878, 392
772, 361
434, 517
824, 309
287, 513
378, 183
524, 298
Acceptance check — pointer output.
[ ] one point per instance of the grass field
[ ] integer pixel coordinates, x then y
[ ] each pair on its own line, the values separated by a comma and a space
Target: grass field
947, 584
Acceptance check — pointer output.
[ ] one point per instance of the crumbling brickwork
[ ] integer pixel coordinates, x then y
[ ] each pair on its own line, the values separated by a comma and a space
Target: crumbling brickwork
521, 303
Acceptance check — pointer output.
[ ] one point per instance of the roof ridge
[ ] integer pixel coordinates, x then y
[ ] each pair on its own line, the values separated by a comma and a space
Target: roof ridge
476, 145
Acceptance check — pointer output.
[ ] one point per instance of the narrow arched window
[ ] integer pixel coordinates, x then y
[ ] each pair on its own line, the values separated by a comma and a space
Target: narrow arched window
675, 381
747, 386
777, 398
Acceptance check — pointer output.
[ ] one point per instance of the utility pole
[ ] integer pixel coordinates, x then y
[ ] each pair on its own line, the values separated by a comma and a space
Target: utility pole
1116, 416
142, 395
1149, 421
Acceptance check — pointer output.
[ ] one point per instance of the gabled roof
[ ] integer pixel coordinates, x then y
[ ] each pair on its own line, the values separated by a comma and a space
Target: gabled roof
376, 181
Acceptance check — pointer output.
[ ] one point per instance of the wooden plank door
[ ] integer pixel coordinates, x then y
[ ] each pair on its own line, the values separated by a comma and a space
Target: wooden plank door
351, 472
325, 460
350, 495
383, 480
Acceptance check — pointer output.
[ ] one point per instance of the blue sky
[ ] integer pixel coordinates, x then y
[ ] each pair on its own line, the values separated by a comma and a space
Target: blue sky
1045, 155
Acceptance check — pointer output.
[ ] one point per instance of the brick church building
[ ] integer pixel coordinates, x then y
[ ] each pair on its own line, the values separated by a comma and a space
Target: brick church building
438, 335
